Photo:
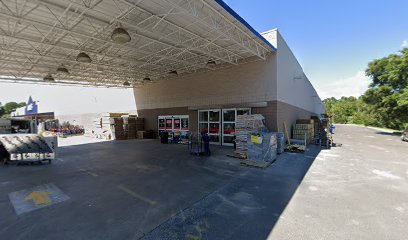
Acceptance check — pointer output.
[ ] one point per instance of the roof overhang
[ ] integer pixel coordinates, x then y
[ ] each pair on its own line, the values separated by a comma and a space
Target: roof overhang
38, 36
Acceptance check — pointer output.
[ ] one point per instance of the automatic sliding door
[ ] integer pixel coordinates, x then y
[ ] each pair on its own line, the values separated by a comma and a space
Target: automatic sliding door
229, 118
209, 122
228, 128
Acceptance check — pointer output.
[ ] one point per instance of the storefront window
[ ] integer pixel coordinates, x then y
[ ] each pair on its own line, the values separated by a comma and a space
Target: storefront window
203, 127
184, 124
203, 116
243, 112
162, 124
214, 116
229, 128
229, 116
169, 124
229, 139
214, 128
215, 138
177, 123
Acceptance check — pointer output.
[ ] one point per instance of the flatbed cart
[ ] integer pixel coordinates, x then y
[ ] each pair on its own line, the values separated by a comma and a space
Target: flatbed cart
26, 148
199, 144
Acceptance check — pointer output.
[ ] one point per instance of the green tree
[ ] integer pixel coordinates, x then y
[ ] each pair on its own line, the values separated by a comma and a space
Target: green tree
11, 106
1, 110
388, 94
385, 103
341, 110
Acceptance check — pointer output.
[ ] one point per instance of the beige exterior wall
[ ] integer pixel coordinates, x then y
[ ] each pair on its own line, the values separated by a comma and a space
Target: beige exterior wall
246, 83
279, 78
293, 86
275, 114
279, 81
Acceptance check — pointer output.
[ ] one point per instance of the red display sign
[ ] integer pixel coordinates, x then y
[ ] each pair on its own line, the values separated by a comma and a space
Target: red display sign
169, 123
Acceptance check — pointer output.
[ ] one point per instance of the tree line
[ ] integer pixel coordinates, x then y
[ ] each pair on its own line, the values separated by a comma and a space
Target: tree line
7, 108
385, 103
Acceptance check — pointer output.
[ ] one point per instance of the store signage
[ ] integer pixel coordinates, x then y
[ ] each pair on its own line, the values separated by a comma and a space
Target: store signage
256, 139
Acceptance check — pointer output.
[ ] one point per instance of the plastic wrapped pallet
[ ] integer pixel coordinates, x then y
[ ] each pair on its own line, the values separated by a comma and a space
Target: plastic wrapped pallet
246, 124
262, 147
280, 139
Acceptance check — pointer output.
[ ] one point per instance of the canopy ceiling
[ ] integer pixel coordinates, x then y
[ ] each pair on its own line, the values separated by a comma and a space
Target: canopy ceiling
39, 36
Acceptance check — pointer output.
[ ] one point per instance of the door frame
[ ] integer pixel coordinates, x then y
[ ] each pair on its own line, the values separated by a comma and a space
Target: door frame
221, 122
219, 134
224, 122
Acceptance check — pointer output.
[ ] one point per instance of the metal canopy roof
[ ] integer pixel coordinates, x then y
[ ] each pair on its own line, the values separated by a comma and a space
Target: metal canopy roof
38, 36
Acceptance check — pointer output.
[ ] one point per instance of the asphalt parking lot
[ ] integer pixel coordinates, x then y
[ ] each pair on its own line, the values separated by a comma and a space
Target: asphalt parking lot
144, 190
357, 191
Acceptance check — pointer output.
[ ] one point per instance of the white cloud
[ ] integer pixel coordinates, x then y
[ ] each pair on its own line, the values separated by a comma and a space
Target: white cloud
352, 86
405, 44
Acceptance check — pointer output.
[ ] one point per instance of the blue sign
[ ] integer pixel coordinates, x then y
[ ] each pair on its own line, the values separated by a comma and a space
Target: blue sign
32, 107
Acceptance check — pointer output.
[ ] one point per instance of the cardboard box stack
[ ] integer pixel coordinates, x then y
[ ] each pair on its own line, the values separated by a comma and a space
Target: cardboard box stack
117, 126
117, 129
132, 125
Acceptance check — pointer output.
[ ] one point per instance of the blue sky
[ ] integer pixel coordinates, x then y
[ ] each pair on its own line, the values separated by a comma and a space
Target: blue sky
332, 39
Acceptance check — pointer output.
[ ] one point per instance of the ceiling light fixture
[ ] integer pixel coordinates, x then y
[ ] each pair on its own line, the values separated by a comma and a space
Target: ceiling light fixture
211, 63
62, 69
173, 73
83, 57
120, 35
49, 78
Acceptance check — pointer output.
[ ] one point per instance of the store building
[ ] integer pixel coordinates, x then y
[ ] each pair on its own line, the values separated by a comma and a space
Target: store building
194, 65
210, 101
31, 112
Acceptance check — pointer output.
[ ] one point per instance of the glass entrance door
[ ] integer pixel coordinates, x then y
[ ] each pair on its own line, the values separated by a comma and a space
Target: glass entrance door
220, 124
209, 121
229, 118
228, 126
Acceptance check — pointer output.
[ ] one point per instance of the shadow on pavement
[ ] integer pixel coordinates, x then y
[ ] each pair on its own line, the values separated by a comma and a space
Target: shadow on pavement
248, 207
389, 133
195, 197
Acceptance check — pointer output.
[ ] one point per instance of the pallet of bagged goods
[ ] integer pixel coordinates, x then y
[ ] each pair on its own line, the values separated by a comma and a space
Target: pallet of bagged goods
247, 124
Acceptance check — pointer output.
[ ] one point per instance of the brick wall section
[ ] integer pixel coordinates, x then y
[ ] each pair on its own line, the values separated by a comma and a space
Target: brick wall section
269, 113
275, 114
289, 113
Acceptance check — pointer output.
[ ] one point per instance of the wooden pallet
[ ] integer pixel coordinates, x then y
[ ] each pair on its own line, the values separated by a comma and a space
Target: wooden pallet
258, 164
239, 155
297, 148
